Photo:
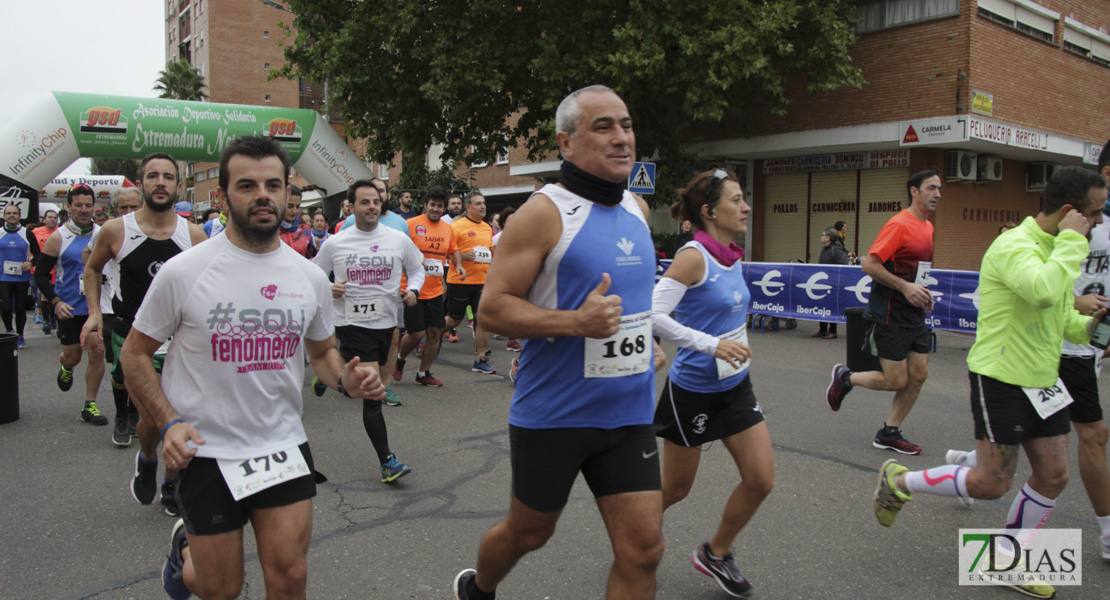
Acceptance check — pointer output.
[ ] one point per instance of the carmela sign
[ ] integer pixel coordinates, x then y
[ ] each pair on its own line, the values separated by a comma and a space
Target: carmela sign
982, 103
932, 131
841, 161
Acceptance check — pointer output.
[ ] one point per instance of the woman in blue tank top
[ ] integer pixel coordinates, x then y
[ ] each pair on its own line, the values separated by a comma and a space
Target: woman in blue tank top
708, 394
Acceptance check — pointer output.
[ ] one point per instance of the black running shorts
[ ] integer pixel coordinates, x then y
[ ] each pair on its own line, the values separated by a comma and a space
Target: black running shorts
545, 463
209, 508
1004, 414
460, 296
1080, 376
425, 314
894, 342
70, 329
369, 345
690, 418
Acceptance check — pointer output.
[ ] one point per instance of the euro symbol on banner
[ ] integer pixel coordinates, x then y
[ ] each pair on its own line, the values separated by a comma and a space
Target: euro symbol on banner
862, 288
811, 286
768, 283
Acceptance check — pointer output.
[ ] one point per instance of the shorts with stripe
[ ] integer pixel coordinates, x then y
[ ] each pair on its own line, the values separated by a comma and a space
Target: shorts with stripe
690, 418
1004, 415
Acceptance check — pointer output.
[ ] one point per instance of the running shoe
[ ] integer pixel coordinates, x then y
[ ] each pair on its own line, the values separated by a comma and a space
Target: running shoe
168, 499
482, 366
890, 438
513, 346
393, 469
888, 498
839, 386
120, 435
20, 343
722, 570
461, 581
91, 414
428, 379
399, 369
38, 319
391, 397
144, 485
46, 328
172, 581
318, 387
1035, 586
65, 378
454, 337
513, 372
957, 457
1105, 550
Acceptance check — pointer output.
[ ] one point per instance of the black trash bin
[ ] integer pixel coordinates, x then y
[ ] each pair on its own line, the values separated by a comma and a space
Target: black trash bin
9, 378
859, 357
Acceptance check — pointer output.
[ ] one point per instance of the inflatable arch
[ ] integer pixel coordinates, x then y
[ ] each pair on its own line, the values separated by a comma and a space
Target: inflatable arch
63, 126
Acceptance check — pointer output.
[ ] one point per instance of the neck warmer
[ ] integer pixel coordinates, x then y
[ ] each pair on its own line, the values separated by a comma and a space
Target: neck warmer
11, 229
589, 187
290, 226
82, 231
322, 235
726, 255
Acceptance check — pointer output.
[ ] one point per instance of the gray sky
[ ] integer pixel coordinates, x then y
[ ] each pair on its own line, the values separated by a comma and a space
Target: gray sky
91, 46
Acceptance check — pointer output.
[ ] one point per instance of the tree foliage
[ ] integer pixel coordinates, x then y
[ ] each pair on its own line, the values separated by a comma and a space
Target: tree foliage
127, 167
478, 75
181, 81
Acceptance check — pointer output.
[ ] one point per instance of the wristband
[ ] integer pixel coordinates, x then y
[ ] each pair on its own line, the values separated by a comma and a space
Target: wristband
339, 387
170, 424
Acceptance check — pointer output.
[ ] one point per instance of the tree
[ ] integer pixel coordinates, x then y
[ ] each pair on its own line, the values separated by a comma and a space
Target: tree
477, 75
181, 81
127, 167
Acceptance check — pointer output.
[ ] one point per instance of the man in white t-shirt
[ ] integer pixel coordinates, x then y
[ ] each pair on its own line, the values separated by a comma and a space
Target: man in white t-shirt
239, 309
368, 261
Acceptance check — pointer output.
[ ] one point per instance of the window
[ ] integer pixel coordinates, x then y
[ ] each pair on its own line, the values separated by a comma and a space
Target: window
383, 172
199, 177
265, 35
502, 158
266, 66
267, 97
200, 7
173, 34
1086, 41
885, 14
1025, 16
214, 172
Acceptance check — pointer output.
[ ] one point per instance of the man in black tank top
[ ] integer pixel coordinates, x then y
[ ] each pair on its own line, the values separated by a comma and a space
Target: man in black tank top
140, 243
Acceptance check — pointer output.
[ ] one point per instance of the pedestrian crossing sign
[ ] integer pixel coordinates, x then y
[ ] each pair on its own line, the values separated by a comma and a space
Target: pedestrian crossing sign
642, 178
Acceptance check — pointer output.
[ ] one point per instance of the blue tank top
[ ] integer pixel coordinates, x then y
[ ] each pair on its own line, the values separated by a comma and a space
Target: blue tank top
14, 249
717, 305
579, 382
69, 269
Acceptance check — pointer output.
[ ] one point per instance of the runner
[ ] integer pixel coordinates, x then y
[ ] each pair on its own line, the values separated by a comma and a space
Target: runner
239, 424
140, 243
708, 395
368, 260
474, 239
1025, 312
15, 253
426, 320
574, 275
42, 233
64, 249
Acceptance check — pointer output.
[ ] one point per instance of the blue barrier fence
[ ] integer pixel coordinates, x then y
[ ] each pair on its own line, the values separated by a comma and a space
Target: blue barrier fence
822, 292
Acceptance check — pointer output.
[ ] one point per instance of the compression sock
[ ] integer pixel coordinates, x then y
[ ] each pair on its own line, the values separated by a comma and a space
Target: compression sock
947, 480
373, 421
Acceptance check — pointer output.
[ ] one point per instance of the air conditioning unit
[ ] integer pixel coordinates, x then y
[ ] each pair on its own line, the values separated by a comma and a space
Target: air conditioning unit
1039, 174
961, 165
990, 168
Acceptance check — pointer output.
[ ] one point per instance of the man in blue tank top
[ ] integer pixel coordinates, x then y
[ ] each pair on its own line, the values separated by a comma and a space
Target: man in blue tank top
573, 277
63, 254
17, 245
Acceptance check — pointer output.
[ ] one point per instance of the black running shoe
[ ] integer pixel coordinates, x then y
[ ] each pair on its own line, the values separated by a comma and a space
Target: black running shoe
722, 570
839, 386
91, 414
144, 485
461, 581
169, 501
65, 379
120, 434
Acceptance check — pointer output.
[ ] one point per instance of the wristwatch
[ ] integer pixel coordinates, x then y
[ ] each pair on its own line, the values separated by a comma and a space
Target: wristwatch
339, 387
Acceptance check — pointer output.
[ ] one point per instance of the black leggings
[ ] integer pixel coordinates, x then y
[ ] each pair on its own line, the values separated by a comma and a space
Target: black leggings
13, 295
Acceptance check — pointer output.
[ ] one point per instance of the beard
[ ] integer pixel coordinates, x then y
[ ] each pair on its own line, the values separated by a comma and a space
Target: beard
255, 233
156, 207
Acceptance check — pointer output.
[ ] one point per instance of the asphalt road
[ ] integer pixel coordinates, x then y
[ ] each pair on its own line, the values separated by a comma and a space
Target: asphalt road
69, 527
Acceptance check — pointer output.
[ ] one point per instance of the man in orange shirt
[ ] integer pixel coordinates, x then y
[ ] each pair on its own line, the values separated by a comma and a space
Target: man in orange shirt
43, 233
436, 241
474, 238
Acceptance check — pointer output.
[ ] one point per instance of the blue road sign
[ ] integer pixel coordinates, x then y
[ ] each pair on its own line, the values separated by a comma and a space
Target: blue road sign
642, 178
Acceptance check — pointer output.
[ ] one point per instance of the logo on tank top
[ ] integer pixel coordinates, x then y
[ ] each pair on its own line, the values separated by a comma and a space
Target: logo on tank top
255, 340
153, 268
628, 259
270, 292
420, 230
369, 270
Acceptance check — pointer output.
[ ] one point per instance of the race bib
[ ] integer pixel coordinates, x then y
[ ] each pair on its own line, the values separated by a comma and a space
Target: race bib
13, 268
482, 254
250, 476
363, 306
1050, 400
726, 369
923, 269
433, 267
628, 352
